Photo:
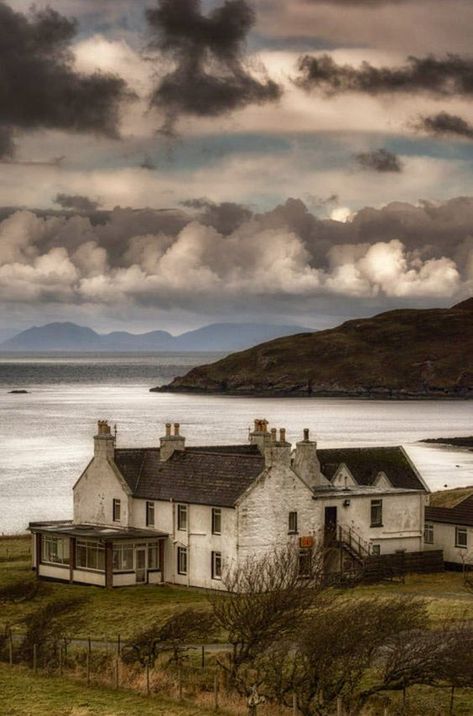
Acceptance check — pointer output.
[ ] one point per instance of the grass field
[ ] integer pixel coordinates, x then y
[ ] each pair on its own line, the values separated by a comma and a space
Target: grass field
107, 613
24, 694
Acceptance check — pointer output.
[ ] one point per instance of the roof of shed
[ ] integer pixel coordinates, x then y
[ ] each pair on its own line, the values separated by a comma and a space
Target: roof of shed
367, 462
460, 514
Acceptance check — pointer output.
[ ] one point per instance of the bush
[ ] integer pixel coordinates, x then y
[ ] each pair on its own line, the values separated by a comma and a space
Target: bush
23, 590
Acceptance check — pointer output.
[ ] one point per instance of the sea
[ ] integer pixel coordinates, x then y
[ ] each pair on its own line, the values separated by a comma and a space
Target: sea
46, 434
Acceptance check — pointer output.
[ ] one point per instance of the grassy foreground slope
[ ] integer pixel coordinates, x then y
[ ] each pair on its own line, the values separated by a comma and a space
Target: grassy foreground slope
399, 354
24, 694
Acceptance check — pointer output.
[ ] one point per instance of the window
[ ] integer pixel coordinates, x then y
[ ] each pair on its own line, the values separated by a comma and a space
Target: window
428, 533
305, 563
216, 521
461, 537
54, 550
116, 510
376, 550
150, 514
292, 522
182, 560
376, 513
182, 517
153, 556
216, 565
90, 555
123, 558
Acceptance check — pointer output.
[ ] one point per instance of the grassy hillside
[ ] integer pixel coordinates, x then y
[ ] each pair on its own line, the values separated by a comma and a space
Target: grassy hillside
399, 354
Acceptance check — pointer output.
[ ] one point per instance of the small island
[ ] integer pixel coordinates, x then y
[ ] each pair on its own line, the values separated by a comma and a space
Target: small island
465, 442
18, 392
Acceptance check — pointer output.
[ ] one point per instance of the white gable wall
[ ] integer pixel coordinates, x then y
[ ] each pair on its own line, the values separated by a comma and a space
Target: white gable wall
95, 491
444, 538
263, 512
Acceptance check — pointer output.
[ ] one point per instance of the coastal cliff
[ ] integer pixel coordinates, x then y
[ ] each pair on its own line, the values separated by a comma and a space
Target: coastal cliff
398, 354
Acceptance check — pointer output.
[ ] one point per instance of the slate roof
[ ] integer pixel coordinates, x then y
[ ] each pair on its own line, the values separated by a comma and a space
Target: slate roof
365, 464
207, 476
461, 514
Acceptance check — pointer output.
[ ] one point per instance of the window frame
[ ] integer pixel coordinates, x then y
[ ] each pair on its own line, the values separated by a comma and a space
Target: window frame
216, 571
464, 531
376, 550
90, 546
153, 547
60, 543
428, 530
117, 558
116, 510
182, 553
294, 529
376, 504
150, 511
304, 569
216, 517
182, 510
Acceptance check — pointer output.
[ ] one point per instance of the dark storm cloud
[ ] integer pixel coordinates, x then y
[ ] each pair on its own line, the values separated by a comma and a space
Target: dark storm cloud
77, 202
39, 87
444, 124
210, 77
448, 76
379, 160
225, 217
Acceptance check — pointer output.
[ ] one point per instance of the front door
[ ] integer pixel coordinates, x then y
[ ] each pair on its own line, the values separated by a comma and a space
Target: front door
140, 557
330, 527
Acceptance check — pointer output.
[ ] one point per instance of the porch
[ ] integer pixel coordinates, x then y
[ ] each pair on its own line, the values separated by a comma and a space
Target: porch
101, 556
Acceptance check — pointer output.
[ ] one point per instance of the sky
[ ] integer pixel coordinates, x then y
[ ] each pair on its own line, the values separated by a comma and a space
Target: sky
172, 163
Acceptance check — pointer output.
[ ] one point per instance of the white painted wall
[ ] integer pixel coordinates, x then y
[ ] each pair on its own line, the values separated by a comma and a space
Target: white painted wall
263, 513
89, 577
444, 538
94, 493
54, 571
403, 519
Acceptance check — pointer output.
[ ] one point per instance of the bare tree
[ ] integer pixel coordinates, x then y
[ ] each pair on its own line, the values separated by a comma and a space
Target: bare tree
265, 600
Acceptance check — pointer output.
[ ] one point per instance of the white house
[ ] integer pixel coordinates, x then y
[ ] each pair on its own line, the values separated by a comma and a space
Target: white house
178, 513
450, 528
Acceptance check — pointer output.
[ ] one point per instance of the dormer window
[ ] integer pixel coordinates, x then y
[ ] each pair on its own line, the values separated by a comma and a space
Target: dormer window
116, 510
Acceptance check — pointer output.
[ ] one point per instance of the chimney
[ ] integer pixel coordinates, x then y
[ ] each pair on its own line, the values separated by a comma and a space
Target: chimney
171, 442
277, 452
104, 442
306, 463
260, 435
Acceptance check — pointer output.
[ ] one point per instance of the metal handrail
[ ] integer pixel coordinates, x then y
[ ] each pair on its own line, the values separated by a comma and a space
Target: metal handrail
350, 537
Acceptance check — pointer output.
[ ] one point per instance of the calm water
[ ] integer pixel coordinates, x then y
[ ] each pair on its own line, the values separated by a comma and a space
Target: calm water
46, 435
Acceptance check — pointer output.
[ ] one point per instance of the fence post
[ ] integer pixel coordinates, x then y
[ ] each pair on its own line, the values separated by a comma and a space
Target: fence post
35, 659
88, 663
202, 657
339, 707
119, 645
10, 646
117, 671
295, 710
179, 676
216, 692
148, 690
60, 659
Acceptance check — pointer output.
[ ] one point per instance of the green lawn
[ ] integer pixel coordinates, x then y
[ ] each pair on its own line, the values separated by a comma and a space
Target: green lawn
106, 613
24, 694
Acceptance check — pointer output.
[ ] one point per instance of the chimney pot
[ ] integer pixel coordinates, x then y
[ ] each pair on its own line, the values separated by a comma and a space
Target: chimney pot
306, 434
176, 429
168, 430
273, 435
282, 435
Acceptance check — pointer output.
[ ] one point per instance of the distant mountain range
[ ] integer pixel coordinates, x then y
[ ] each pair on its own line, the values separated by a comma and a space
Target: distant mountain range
398, 354
69, 337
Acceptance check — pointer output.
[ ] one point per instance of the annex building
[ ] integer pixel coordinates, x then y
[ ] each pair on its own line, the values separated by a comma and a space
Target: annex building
181, 514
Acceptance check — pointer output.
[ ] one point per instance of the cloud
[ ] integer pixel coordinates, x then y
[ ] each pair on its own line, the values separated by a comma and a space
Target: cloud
444, 124
210, 76
379, 160
7, 146
40, 87
448, 77
77, 202
279, 261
